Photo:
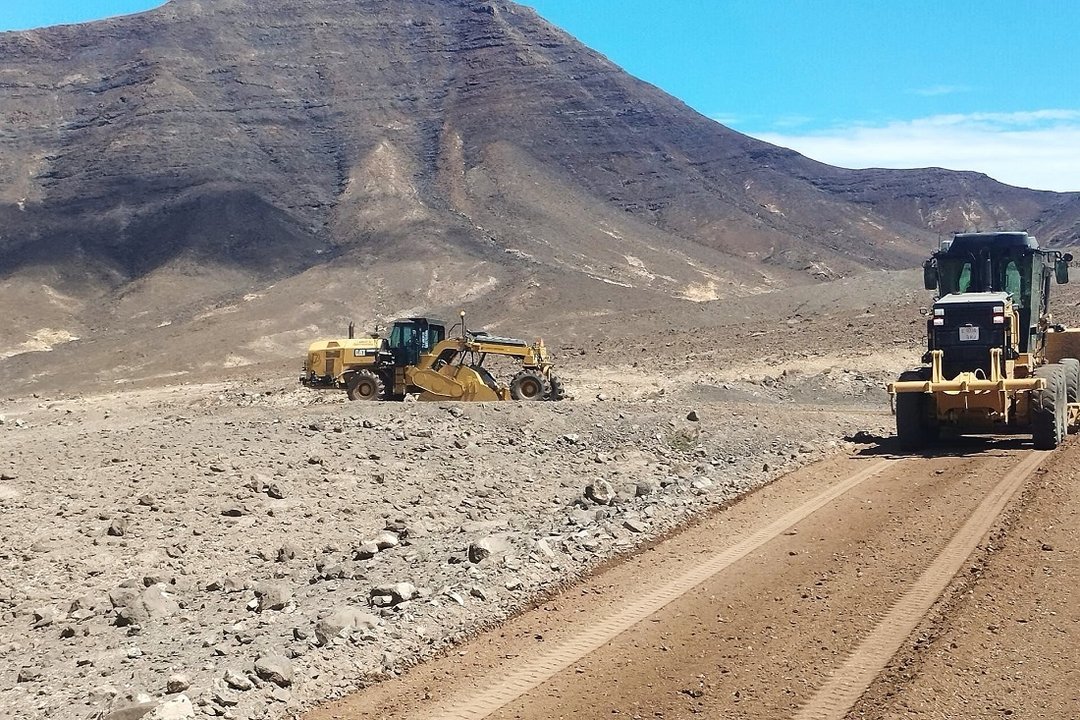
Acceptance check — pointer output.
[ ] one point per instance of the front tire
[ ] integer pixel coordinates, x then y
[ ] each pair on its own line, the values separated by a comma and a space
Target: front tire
914, 430
557, 389
528, 385
364, 385
1049, 412
1072, 379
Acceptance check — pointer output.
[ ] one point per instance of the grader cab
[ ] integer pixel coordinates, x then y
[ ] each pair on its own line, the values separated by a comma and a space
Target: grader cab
995, 362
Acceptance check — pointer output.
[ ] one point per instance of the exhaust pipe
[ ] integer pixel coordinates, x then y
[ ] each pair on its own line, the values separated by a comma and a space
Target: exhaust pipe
352, 330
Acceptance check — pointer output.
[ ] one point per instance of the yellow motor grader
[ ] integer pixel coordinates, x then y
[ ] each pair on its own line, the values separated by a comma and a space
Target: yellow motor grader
422, 356
995, 361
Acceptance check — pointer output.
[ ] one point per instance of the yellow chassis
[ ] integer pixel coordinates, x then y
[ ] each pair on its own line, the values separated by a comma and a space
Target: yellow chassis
969, 382
973, 397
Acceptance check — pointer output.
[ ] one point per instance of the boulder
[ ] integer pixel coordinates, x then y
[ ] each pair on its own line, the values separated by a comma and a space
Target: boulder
600, 492
275, 668
272, 596
488, 546
342, 622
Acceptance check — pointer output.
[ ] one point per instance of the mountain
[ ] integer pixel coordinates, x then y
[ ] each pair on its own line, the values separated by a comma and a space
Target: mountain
268, 168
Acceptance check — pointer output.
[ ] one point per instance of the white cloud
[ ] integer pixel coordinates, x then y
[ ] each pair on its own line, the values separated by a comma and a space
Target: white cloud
729, 119
940, 90
1037, 149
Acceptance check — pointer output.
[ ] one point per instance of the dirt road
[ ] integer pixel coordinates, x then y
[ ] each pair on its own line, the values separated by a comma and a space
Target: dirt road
796, 602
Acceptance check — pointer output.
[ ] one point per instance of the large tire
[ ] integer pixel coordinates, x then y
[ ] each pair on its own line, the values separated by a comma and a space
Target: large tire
1072, 379
1049, 413
914, 430
556, 391
528, 385
364, 385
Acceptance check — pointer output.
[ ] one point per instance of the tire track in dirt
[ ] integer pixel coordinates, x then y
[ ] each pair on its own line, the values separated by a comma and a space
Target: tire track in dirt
714, 619
542, 668
847, 684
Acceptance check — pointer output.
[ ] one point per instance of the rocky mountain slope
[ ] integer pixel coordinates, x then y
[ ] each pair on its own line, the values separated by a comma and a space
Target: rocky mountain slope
270, 168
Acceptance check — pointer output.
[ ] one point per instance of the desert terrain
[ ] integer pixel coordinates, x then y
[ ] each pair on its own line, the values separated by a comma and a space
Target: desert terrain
258, 548
190, 196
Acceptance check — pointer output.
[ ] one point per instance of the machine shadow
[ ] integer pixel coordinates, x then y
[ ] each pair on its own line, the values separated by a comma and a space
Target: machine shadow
947, 446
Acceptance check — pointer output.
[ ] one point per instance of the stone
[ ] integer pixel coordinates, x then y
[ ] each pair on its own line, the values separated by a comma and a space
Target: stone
137, 608
225, 698
393, 594
366, 551
44, 617
28, 674
272, 596
583, 518
237, 681
158, 603
103, 693
386, 540
693, 416
177, 708
287, 552
647, 486
486, 547
131, 711
600, 492
342, 622
701, 484
177, 683
118, 527
545, 548
259, 482
233, 585
636, 526
275, 668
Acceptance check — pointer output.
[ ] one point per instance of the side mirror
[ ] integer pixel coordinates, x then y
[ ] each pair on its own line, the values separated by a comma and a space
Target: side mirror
1061, 270
929, 273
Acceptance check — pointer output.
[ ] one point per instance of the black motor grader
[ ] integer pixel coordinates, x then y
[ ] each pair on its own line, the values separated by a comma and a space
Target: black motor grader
995, 360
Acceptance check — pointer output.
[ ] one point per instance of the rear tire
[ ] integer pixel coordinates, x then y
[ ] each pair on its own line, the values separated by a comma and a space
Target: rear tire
557, 390
914, 430
528, 385
1048, 408
364, 385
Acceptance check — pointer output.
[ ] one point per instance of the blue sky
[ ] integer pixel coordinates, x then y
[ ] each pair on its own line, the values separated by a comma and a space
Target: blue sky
988, 85
25, 14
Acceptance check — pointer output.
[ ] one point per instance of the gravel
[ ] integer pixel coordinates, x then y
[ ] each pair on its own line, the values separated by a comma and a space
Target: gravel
193, 551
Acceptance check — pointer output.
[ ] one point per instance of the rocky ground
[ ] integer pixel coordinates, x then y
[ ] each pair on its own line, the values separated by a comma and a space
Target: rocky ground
247, 548
253, 548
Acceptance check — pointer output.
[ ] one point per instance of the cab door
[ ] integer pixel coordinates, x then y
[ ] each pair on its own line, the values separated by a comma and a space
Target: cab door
405, 344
